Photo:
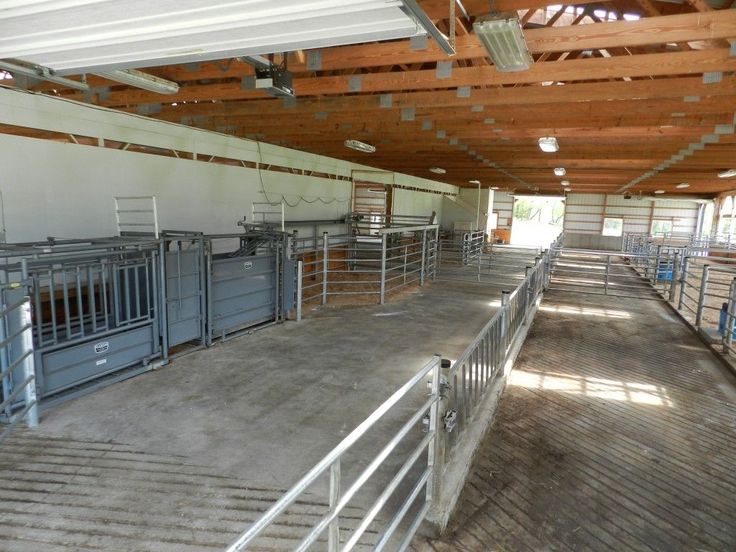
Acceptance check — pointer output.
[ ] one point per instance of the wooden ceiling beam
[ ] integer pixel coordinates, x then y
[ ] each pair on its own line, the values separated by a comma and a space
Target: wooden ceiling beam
577, 93
644, 65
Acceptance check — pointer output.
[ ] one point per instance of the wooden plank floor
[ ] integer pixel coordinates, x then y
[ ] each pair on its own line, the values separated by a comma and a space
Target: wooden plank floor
617, 432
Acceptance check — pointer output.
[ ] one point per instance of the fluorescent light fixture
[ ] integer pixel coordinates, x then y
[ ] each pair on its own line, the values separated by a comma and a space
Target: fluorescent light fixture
659, 192
473, 181
502, 36
548, 144
730, 173
139, 79
41, 73
437, 170
357, 145
560, 171
682, 186
565, 183
91, 36
494, 188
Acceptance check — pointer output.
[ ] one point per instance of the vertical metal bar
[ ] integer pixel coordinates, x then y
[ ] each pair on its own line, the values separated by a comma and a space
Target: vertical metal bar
325, 266
52, 299
673, 276
436, 253
178, 273
683, 281
299, 291
80, 307
607, 277
126, 291
505, 323
728, 329
424, 257
104, 297
406, 254
277, 278
383, 269
65, 301
91, 299
36, 284
208, 278
333, 543
137, 296
116, 305
433, 483
701, 297
5, 359
154, 308
29, 393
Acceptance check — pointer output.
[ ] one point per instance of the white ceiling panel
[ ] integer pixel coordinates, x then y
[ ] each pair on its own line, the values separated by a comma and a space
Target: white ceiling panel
75, 36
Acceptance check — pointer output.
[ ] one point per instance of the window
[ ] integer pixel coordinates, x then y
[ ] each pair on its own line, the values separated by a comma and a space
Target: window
613, 226
661, 227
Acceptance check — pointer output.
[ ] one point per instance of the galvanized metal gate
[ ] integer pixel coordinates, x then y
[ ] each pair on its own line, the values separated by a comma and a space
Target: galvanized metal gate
184, 288
18, 393
247, 286
634, 275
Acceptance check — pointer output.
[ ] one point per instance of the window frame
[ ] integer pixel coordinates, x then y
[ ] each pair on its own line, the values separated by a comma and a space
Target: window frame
621, 231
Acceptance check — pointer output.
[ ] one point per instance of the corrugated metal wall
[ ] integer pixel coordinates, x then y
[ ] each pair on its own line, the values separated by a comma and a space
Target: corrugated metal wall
503, 206
584, 213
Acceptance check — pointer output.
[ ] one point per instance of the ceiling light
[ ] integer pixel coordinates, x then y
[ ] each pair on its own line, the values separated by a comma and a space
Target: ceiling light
548, 144
437, 170
682, 186
78, 36
473, 181
658, 192
502, 36
357, 145
42, 73
565, 182
560, 171
730, 173
494, 187
139, 79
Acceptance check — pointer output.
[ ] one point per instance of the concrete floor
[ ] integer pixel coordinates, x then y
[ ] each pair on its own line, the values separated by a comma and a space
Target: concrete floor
617, 432
252, 414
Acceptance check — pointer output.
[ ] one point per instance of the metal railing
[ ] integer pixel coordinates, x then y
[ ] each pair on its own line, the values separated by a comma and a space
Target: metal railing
637, 275
17, 371
484, 359
364, 266
456, 391
340, 495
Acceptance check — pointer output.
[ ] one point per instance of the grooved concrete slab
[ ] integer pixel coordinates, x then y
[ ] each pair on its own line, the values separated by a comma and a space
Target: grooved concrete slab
617, 432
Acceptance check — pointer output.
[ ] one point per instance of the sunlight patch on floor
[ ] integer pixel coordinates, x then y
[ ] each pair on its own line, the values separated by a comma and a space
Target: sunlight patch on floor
599, 388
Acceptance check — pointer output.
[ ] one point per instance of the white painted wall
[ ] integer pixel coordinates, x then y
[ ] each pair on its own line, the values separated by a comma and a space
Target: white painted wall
66, 190
409, 202
453, 212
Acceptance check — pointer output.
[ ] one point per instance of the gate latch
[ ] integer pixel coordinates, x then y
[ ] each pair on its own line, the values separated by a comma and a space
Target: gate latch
450, 420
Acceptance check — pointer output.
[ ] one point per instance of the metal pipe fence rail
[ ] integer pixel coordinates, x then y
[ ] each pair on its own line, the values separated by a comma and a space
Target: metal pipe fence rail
17, 371
606, 273
456, 390
484, 359
360, 267
340, 493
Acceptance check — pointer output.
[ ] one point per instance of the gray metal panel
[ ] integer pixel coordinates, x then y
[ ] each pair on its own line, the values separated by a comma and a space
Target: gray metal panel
74, 365
184, 288
15, 347
288, 300
243, 292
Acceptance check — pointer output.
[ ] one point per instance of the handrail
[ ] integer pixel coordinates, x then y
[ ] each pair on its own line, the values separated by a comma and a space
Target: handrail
330, 459
503, 326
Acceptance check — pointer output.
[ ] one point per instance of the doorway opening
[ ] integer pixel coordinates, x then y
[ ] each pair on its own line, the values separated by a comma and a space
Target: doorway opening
537, 220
